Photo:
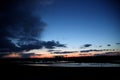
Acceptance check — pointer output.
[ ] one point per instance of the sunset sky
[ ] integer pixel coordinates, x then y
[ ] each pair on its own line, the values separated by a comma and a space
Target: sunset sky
67, 25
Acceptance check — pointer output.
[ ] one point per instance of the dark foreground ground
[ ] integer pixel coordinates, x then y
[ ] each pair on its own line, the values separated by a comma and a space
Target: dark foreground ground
13, 71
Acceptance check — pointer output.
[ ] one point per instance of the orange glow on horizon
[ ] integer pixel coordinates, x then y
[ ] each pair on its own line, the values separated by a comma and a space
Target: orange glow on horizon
68, 55
13, 55
46, 54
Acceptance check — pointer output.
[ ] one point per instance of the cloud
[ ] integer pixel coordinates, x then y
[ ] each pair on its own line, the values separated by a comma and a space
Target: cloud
86, 45
51, 50
36, 44
20, 27
65, 52
52, 44
91, 50
7, 45
117, 43
18, 21
100, 46
109, 45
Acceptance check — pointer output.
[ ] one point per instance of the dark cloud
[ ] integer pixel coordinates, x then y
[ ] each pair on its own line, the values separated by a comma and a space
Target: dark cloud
18, 21
51, 50
86, 45
109, 45
52, 44
20, 26
29, 44
6, 45
117, 43
65, 52
91, 50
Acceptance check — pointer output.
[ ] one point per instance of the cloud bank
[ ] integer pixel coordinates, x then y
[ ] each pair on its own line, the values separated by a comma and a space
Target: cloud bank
20, 27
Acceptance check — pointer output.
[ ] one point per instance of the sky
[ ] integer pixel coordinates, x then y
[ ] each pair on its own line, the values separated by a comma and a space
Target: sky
21, 27
59, 24
79, 22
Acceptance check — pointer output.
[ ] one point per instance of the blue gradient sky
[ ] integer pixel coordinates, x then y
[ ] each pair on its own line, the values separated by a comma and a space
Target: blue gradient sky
79, 22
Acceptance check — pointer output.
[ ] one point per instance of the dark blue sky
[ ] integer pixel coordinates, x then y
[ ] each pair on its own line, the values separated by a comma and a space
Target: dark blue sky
79, 22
